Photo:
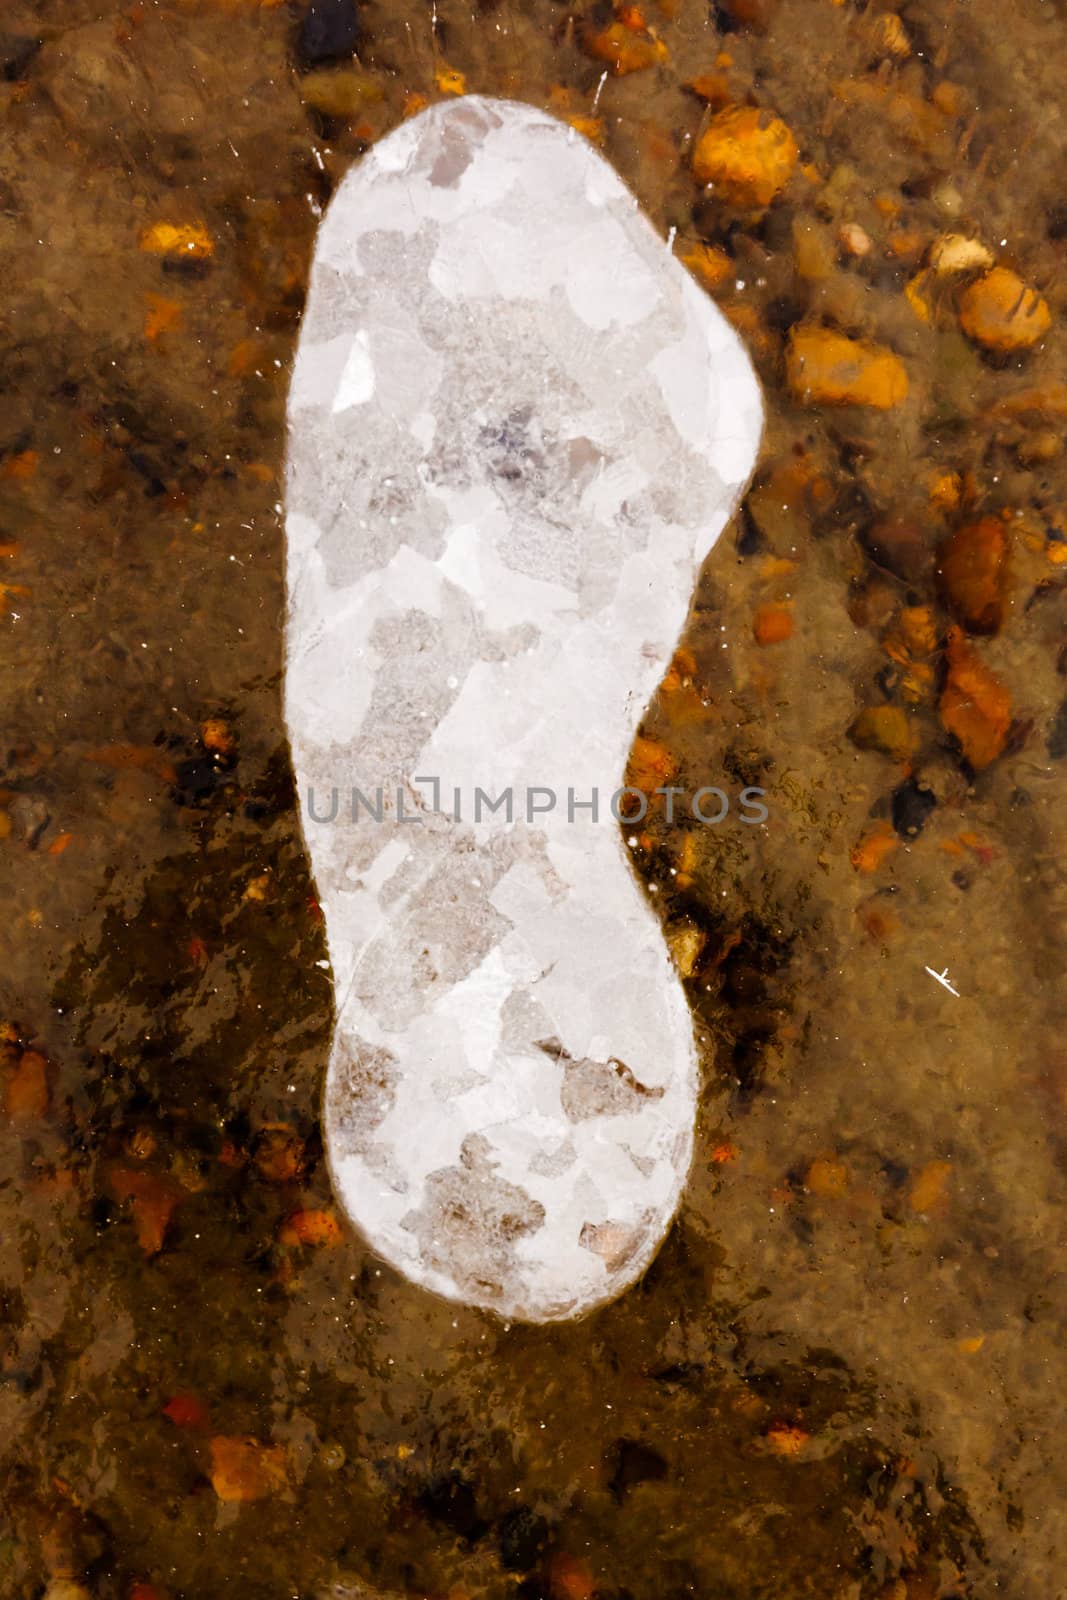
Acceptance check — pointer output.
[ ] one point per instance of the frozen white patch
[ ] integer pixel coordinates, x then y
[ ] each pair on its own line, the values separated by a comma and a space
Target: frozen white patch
357, 380
495, 528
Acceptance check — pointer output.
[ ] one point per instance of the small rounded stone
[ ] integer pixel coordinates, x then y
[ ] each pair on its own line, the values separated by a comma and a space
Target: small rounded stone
1001, 312
747, 155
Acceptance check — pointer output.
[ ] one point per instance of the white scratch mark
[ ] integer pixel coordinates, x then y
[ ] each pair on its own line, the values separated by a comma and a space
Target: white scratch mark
942, 979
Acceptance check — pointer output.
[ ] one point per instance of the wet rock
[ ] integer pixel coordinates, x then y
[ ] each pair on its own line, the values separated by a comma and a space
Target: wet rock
709, 264
315, 1227
1002, 313
630, 1462
279, 1155
891, 36
30, 817
178, 241
773, 624
954, 252
570, 1578
242, 1469
827, 368
813, 251
329, 31
1038, 449
153, 1201
886, 729
827, 1178
972, 574
753, 16
26, 1093
197, 780
89, 77
340, 92
854, 240
929, 1190
898, 545
911, 807
747, 155
910, 642
687, 945
624, 48
217, 736
975, 706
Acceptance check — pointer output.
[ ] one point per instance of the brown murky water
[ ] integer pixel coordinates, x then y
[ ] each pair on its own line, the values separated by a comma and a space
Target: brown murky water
843, 1376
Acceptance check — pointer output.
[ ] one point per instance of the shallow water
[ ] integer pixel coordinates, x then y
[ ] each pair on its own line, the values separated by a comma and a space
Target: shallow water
843, 1373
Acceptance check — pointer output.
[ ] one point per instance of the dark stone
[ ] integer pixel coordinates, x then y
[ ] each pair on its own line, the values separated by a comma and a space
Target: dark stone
521, 1538
451, 1500
534, 1588
782, 313
912, 805
745, 16
150, 470
17, 50
749, 538
329, 31
198, 778
1057, 734
689, 1374
630, 1462
898, 546
30, 816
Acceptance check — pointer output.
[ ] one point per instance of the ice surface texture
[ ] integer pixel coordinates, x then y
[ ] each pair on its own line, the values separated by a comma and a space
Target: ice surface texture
516, 428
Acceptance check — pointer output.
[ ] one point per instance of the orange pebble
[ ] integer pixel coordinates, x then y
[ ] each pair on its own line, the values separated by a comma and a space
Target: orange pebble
869, 854
975, 706
773, 624
26, 1095
787, 1441
311, 1227
243, 1469
186, 1411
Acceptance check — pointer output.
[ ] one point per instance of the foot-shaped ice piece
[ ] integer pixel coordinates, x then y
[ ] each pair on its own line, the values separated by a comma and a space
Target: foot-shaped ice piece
516, 428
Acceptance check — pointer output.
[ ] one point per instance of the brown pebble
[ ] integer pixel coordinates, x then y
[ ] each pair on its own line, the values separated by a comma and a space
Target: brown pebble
1001, 312
975, 706
244, 1469
279, 1155
624, 50
1034, 449
897, 544
972, 574
754, 15
884, 728
26, 1094
216, 736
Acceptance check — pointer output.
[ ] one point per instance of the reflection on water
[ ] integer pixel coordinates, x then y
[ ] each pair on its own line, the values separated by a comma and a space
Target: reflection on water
841, 1374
